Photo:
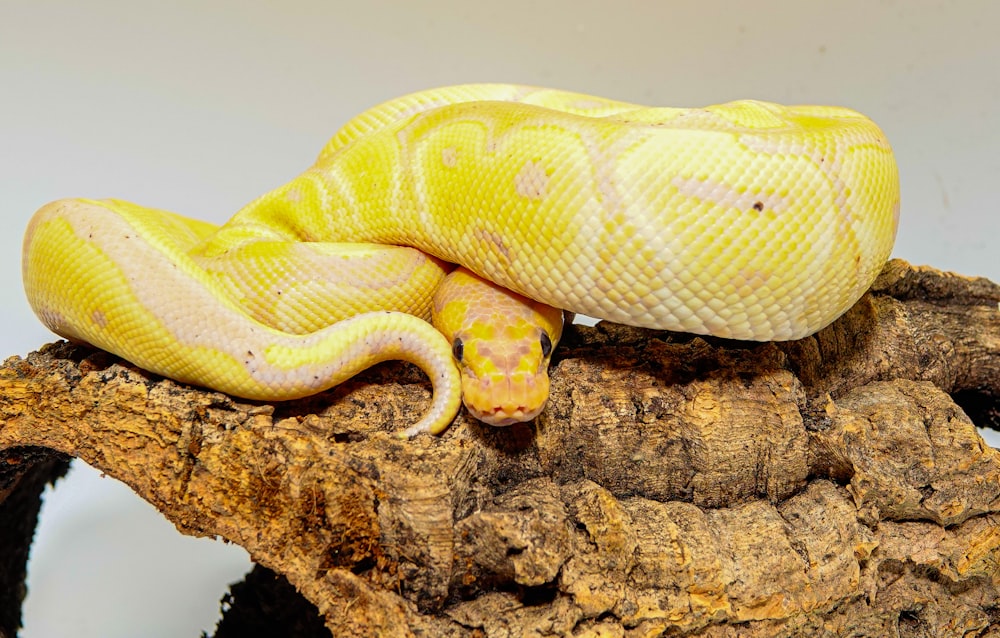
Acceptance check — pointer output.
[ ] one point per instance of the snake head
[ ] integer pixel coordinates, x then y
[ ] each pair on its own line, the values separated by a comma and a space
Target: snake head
502, 343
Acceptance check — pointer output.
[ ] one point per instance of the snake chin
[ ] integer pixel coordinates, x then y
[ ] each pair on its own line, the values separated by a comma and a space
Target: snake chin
502, 417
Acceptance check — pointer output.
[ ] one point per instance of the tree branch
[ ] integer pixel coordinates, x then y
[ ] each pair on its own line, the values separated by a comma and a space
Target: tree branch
674, 485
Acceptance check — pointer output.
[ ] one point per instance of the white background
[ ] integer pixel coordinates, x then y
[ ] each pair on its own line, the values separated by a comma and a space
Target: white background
198, 107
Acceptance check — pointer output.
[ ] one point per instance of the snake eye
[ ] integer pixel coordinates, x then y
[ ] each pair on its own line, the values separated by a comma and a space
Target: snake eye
546, 344
457, 348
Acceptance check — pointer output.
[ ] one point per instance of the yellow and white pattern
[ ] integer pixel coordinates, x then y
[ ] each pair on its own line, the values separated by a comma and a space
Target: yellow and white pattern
746, 220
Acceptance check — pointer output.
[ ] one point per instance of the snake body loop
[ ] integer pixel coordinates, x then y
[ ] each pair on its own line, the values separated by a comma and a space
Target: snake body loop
746, 220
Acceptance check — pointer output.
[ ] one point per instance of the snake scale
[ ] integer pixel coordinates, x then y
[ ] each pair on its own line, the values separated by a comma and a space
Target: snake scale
747, 220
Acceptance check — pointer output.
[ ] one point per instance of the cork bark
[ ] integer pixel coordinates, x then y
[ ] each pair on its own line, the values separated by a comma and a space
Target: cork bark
674, 486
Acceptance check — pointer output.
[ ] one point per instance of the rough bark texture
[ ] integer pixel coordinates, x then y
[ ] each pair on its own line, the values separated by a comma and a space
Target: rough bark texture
24, 473
675, 485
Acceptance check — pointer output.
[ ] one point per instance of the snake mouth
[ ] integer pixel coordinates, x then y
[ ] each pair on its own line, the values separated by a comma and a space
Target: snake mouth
503, 417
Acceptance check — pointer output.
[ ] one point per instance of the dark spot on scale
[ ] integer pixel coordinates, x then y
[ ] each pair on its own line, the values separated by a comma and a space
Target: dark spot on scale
758, 206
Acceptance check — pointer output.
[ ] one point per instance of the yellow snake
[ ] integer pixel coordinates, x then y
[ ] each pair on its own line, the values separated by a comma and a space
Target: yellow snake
746, 220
